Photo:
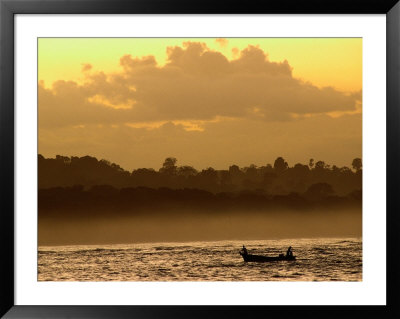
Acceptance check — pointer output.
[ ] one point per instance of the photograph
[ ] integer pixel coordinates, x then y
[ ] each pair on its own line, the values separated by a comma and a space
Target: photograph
234, 159
174, 159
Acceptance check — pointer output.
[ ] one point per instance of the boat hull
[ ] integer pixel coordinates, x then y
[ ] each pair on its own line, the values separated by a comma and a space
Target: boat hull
258, 258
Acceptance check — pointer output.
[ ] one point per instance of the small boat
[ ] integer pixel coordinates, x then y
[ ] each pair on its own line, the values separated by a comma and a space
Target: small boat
258, 258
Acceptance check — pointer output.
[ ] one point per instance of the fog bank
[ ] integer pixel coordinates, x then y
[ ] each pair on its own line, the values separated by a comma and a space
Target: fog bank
199, 227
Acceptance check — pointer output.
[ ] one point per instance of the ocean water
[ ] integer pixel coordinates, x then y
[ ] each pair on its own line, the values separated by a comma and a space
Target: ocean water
317, 259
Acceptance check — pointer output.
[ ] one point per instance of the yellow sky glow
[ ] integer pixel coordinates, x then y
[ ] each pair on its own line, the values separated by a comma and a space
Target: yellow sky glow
335, 62
238, 101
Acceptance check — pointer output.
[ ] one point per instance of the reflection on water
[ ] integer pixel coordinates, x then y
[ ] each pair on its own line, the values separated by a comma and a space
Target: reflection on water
317, 260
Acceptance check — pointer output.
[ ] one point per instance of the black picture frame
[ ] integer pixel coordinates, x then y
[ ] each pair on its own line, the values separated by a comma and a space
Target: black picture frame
8, 8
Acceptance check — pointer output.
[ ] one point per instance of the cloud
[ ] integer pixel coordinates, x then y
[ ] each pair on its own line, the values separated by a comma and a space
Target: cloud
221, 143
222, 42
86, 67
196, 85
235, 52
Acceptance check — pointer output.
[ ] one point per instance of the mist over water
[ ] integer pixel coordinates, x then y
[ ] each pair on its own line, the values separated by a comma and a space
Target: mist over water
318, 259
198, 226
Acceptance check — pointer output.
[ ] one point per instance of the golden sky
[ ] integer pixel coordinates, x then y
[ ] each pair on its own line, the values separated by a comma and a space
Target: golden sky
206, 101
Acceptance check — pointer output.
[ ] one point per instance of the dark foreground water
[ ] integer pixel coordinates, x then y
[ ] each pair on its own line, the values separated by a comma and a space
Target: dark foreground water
322, 259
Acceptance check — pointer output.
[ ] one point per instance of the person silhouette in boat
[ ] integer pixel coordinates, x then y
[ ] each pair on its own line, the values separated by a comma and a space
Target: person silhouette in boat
289, 252
244, 250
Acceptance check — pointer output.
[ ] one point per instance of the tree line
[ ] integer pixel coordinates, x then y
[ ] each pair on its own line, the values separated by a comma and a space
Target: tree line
272, 179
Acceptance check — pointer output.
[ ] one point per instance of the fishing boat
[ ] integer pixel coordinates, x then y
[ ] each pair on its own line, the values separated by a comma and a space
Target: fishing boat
258, 258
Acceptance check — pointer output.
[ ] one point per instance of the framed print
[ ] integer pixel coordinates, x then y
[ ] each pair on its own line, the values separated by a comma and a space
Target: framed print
174, 160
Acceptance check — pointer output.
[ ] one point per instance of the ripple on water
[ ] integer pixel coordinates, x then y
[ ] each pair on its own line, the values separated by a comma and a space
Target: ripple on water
317, 260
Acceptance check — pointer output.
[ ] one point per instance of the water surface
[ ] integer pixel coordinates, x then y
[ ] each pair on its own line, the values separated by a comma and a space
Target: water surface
320, 259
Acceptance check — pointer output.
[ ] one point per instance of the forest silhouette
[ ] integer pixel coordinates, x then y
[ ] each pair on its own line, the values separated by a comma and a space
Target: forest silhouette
74, 183
83, 200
